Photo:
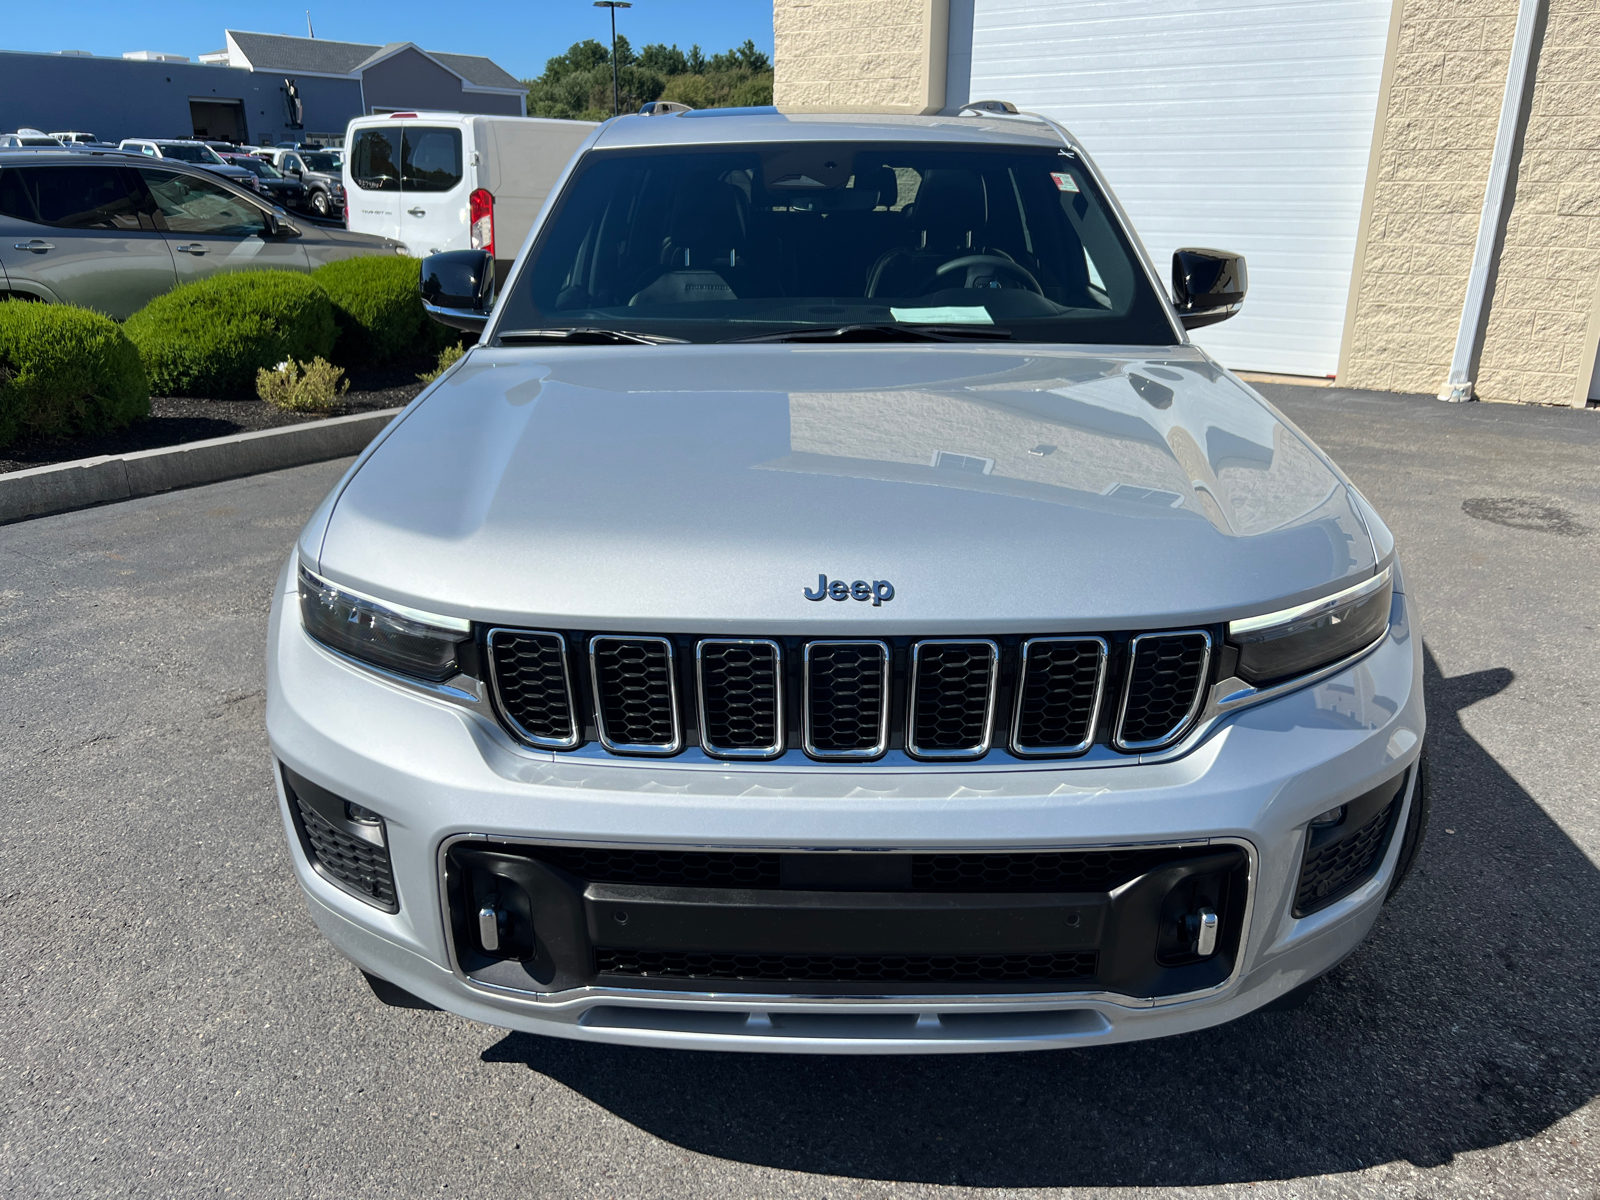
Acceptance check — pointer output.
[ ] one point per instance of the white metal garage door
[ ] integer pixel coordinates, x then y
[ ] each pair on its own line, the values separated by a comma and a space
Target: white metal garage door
1241, 125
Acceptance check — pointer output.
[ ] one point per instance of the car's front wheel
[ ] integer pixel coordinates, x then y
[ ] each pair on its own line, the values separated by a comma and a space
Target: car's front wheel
319, 204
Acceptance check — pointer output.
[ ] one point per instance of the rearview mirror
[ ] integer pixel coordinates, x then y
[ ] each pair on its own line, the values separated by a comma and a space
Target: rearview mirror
1207, 286
458, 288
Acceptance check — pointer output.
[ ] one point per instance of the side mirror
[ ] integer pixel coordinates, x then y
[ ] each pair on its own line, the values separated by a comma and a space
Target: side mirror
1207, 286
458, 288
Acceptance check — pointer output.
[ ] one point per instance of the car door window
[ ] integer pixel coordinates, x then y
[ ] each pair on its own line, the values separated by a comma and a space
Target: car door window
191, 205
87, 197
375, 166
430, 159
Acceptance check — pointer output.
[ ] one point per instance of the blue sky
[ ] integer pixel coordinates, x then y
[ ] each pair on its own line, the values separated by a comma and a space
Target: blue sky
519, 36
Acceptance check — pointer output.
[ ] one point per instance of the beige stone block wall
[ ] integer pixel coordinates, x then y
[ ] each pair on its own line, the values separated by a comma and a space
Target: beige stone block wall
1539, 346
860, 55
1431, 149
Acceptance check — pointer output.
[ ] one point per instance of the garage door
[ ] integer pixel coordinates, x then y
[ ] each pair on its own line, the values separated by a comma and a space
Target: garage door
1241, 125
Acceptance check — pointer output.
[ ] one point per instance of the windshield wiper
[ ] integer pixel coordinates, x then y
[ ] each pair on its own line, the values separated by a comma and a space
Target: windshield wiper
587, 336
882, 333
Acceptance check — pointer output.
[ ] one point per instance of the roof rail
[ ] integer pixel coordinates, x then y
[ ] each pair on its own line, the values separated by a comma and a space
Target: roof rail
662, 108
988, 106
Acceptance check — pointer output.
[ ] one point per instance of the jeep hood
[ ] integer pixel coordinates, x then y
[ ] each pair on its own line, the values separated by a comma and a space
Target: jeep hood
706, 488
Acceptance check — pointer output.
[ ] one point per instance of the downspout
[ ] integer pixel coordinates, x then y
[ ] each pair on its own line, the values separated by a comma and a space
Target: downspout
1492, 224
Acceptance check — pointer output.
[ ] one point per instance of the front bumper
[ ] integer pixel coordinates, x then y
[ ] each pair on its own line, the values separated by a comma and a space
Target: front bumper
444, 778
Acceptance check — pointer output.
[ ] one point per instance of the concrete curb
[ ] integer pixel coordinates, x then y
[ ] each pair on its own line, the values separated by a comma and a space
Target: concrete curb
40, 491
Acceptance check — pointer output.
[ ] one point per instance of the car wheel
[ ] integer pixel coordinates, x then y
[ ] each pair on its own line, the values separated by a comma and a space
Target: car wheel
319, 203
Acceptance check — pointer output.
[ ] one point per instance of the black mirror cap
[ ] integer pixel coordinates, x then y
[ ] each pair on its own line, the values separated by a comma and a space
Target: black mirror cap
1207, 285
458, 288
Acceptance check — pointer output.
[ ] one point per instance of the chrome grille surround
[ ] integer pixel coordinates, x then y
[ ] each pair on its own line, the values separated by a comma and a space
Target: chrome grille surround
774, 746
1026, 658
672, 745
885, 658
921, 655
1147, 643
498, 688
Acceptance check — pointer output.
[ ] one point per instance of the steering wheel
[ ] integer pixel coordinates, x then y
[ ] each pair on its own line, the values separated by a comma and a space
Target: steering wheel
994, 262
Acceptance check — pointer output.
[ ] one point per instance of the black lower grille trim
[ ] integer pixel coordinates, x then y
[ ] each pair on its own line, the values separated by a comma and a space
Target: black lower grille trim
1046, 871
1336, 870
359, 866
848, 968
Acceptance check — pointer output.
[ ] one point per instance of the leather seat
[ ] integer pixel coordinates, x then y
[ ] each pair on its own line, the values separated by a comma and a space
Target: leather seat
702, 252
950, 216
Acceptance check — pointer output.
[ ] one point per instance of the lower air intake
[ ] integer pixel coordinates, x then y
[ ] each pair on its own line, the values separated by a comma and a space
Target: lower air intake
357, 865
848, 968
1337, 869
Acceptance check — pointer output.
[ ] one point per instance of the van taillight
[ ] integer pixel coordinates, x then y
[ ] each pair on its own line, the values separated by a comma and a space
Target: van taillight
481, 210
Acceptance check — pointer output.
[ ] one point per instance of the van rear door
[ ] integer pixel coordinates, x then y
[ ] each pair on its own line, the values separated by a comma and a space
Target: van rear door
372, 181
434, 188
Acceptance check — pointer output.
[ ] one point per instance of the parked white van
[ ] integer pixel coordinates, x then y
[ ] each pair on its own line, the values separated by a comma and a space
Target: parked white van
454, 181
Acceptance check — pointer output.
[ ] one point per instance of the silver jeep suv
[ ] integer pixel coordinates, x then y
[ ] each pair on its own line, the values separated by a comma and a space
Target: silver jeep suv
835, 608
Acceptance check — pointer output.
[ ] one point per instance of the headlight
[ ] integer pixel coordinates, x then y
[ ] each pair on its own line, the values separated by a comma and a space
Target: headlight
1291, 642
386, 635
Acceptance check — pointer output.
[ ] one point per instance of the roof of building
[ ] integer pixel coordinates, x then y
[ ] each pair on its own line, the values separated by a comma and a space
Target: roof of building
277, 52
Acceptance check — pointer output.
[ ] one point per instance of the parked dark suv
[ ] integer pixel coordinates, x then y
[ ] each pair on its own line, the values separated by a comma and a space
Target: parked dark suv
320, 174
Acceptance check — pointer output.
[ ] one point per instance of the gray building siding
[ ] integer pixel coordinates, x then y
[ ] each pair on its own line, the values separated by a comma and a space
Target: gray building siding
116, 98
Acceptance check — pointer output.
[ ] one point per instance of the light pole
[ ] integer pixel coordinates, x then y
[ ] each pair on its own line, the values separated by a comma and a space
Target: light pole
613, 5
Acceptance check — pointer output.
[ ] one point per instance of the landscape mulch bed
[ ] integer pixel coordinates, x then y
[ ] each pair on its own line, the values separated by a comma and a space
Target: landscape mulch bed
174, 420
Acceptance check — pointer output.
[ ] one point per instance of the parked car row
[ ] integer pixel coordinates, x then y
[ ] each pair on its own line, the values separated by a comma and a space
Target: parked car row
295, 175
111, 229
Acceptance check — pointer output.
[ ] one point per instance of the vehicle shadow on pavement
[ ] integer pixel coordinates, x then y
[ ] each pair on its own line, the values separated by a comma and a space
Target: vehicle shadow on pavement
1468, 1019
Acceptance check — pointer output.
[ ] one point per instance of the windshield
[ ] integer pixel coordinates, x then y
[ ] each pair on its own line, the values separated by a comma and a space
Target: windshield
190, 154
262, 170
321, 162
1005, 242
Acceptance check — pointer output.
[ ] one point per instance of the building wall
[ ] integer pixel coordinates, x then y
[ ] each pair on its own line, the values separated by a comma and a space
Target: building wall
1431, 154
116, 98
412, 80
860, 55
1545, 322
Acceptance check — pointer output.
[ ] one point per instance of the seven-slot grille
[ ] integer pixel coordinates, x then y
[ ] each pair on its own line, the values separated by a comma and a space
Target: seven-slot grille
940, 699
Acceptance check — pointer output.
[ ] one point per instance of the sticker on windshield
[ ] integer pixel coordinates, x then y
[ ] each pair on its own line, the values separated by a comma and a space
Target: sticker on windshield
1064, 181
948, 315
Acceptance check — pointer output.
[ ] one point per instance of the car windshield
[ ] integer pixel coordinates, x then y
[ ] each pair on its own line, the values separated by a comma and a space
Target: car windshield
320, 162
262, 170
893, 240
190, 154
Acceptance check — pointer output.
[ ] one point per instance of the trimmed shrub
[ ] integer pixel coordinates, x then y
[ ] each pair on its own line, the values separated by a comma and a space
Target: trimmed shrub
209, 338
66, 372
448, 356
302, 387
378, 306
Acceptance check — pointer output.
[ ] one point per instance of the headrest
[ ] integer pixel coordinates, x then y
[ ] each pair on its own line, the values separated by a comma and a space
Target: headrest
880, 179
950, 206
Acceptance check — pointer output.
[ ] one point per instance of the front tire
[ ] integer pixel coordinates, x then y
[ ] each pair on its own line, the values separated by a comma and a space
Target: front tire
319, 204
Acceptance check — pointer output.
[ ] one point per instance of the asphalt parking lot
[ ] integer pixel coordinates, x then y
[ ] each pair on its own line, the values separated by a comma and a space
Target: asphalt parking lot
172, 1024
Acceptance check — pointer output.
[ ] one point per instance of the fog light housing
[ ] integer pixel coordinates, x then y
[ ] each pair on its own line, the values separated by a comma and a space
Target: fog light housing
1332, 817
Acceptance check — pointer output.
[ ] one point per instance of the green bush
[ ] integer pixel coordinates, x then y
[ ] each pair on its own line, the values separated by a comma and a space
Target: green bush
379, 310
209, 338
447, 357
66, 372
302, 387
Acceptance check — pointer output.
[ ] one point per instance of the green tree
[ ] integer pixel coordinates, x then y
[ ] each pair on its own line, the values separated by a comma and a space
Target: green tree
577, 85
664, 60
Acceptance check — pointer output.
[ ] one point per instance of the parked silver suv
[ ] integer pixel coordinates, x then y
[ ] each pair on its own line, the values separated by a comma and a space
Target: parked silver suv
835, 608
111, 231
